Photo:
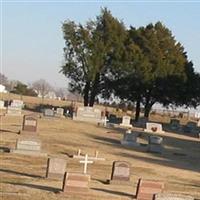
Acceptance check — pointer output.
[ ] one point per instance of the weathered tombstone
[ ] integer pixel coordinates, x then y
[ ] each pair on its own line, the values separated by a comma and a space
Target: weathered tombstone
166, 196
14, 111
2, 105
59, 112
155, 144
126, 122
120, 172
153, 128
48, 113
75, 183
29, 124
17, 103
130, 139
174, 124
88, 114
56, 168
146, 189
29, 146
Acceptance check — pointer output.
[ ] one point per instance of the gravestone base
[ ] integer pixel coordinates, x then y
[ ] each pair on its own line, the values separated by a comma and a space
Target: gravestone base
27, 152
155, 148
59, 116
130, 144
119, 182
150, 131
126, 125
28, 133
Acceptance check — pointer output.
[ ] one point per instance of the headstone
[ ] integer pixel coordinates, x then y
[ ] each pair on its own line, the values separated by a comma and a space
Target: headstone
130, 139
113, 119
87, 114
155, 144
17, 103
29, 124
56, 168
59, 112
165, 196
75, 183
2, 105
120, 172
153, 128
29, 146
14, 111
174, 124
191, 127
126, 122
146, 189
48, 113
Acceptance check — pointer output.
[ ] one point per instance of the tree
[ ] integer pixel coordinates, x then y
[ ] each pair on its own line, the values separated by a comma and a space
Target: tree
42, 87
153, 57
23, 89
90, 51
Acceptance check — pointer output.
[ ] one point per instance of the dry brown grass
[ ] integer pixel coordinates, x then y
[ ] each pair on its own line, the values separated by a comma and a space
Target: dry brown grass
22, 177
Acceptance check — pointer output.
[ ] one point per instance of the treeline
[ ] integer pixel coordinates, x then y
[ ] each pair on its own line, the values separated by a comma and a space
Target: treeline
141, 65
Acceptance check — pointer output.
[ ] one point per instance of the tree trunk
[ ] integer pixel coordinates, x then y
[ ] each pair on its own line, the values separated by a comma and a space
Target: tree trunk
86, 93
137, 110
94, 90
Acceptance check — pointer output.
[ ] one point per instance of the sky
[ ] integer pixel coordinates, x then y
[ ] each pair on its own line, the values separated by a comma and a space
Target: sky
32, 39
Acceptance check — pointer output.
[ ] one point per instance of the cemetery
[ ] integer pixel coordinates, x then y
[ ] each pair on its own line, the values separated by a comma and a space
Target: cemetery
114, 112
65, 158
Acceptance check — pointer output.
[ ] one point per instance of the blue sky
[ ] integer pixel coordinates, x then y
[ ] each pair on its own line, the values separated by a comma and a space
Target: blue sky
32, 41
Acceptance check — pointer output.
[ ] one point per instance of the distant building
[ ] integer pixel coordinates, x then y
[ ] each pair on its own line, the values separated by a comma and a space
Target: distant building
3, 89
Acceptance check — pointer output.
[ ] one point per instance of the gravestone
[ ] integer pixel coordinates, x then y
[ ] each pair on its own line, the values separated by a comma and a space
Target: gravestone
113, 119
126, 122
165, 196
29, 146
174, 124
56, 168
75, 183
29, 124
191, 127
146, 189
2, 105
17, 103
130, 139
153, 128
120, 172
48, 113
59, 112
155, 144
14, 111
88, 114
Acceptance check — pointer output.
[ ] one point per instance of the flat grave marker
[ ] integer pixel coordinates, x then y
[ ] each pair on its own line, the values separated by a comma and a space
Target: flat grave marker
75, 183
146, 189
166, 196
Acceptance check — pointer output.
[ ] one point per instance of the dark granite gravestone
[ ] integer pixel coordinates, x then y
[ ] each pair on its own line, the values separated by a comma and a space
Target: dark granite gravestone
120, 172
29, 124
155, 144
75, 183
146, 189
56, 168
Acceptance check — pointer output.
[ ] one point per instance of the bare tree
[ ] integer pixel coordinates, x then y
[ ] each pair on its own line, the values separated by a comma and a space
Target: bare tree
42, 87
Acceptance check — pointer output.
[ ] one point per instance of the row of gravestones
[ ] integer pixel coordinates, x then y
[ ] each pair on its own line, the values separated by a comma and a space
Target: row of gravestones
14, 109
155, 143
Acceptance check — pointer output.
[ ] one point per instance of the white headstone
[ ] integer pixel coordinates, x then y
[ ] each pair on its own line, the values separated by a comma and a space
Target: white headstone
153, 128
126, 122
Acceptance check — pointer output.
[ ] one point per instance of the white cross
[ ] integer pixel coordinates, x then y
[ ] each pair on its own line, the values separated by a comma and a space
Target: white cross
86, 161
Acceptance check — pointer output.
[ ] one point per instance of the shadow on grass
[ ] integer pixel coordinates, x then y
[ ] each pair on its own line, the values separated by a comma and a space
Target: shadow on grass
4, 149
9, 131
20, 173
40, 187
114, 192
177, 153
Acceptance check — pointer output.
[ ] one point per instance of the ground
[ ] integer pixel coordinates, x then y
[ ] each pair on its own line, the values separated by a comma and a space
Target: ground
22, 177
